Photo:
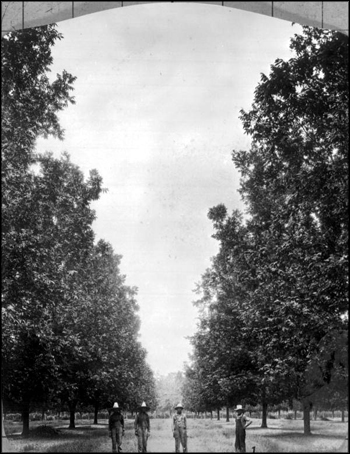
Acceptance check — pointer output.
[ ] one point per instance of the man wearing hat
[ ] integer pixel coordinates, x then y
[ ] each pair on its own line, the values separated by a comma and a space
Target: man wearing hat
142, 427
179, 428
116, 427
242, 422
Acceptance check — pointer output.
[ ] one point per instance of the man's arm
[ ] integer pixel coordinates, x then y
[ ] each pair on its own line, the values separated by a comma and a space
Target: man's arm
247, 422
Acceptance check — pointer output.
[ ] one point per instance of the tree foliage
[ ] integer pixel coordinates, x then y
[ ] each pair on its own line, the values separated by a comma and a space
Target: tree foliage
69, 322
279, 284
169, 391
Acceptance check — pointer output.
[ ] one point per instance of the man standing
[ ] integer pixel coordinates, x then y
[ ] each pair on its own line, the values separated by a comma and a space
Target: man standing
179, 428
116, 427
142, 427
242, 422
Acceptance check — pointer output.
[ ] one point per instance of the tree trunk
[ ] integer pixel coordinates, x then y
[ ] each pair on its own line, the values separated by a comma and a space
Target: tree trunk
279, 413
264, 415
96, 413
307, 405
218, 414
211, 414
25, 420
315, 414
295, 414
333, 414
227, 414
343, 416
5, 444
72, 407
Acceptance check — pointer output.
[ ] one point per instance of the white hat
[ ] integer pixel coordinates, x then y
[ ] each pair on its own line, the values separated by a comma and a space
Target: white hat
179, 405
239, 407
144, 405
115, 405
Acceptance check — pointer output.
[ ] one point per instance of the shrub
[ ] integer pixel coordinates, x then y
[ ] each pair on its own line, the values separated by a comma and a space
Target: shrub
289, 416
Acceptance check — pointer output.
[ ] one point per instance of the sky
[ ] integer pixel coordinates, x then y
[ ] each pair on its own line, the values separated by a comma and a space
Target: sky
158, 93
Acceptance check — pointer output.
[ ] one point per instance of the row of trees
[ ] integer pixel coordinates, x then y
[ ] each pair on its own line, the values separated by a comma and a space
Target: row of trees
169, 391
69, 322
274, 304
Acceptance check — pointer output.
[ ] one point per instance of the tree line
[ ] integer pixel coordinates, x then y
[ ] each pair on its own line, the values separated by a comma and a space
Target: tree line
69, 322
273, 305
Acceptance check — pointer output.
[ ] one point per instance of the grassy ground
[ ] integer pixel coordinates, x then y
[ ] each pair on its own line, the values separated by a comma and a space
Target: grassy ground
204, 435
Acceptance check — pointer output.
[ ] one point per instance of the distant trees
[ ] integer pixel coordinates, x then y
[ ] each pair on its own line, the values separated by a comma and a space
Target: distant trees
69, 323
169, 391
274, 302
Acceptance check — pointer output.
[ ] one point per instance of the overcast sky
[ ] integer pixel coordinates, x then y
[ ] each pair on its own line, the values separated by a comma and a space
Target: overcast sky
158, 93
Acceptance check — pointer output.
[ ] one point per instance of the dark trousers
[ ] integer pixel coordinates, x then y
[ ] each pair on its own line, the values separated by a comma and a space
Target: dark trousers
240, 441
142, 436
116, 433
180, 438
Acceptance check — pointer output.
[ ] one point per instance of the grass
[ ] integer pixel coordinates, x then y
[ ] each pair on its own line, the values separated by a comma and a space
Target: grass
204, 435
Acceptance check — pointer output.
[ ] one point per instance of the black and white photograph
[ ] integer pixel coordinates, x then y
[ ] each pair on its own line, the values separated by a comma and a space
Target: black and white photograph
174, 226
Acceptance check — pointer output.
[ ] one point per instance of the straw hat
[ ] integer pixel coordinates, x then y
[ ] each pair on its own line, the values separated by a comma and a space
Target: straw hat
179, 405
239, 407
115, 407
144, 406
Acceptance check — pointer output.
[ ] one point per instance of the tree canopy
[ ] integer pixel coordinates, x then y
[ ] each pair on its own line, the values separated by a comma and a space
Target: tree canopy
70, 326
279, 284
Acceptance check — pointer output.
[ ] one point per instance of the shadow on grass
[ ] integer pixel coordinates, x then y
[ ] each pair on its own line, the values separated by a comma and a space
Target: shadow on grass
297, 429
65, 433
301, 434
94, 432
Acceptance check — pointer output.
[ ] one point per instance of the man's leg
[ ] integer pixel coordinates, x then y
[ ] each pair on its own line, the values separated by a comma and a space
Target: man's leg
177, 441
243, 441
119, 439
114, 439
144, 438
139, 441
183, 439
